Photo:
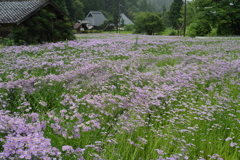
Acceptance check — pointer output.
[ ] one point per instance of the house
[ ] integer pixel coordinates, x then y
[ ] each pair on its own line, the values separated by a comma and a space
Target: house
18, 14
95, 18
81, 25
125, 19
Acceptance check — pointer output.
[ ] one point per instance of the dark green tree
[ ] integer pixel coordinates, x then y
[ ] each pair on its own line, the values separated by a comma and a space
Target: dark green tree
200, 27
43, 27
150, 7
78, 7
115, 13
61, 4
164, 9
191, 12
122, 23
166, 20
143, 5
175, 13
147, 22
221, 14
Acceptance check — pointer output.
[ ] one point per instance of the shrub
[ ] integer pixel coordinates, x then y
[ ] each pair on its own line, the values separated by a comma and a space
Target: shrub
129, 27
6, 41
147, 22
213, 33
172, 33
199, 28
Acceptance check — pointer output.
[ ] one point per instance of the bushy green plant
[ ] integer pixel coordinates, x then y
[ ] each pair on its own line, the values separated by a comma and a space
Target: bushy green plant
150, 23
168, 32
222, 14
6, 41
129, 27
213, 33
172, 33
199, 28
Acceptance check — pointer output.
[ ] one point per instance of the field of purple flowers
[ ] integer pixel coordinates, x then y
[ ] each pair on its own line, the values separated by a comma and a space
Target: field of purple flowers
120, 97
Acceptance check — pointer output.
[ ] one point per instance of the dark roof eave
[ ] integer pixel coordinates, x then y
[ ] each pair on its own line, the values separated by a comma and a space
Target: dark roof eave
6, 23
40, 7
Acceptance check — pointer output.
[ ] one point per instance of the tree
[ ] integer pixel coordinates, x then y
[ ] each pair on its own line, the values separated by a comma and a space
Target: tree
122, 23
116, 16
221, 14
175, 13
78, 13
43, 27
150, 7
143, 5
164, 9
199, 28
190, 13
61, 4
75, 9
147, 22
166, 20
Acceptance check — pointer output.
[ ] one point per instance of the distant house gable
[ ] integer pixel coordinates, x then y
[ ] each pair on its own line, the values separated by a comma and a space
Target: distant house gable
95, 18
90, 15
125, 18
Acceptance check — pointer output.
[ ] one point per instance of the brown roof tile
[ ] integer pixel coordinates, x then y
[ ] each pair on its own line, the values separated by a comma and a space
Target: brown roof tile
77, 25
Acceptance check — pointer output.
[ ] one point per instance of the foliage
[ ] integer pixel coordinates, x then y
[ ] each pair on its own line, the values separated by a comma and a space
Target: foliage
143, 5
168, 32
166, 19
75, 9
199, 28
105, 26
213, 33
164, 9
129, 27
150, 23
6, 42
172, 33
110, 7
223, 15
43, 27
191, 12
175, 13
122, 23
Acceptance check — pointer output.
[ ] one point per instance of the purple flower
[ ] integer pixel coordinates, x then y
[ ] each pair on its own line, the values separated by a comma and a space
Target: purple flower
232, 144
160, 151
228, 139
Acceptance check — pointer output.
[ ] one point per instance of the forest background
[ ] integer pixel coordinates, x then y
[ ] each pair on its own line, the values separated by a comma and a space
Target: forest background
78, 9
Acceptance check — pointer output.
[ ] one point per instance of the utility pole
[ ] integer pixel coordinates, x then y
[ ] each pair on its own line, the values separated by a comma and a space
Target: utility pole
185, 18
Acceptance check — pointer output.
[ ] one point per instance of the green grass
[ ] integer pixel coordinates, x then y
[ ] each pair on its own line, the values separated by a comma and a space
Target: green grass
121, 32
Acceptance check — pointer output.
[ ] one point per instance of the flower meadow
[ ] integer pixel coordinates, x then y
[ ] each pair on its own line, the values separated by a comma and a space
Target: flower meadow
114, 97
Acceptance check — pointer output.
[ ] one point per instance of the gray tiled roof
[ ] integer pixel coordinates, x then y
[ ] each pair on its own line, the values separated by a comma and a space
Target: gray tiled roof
95, 18
125, 18
13, 12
